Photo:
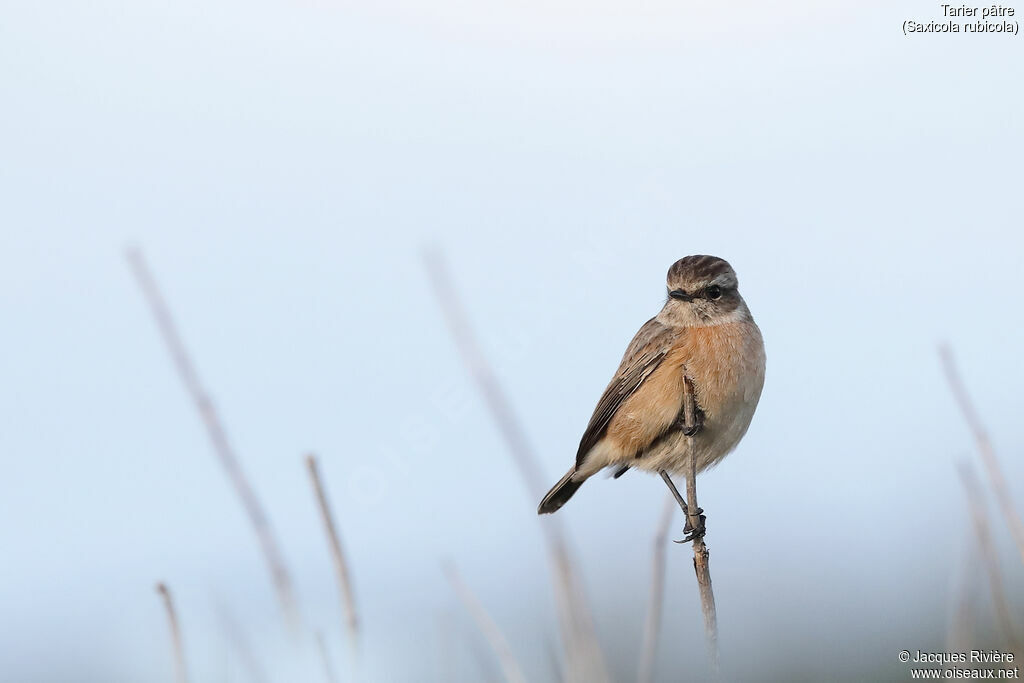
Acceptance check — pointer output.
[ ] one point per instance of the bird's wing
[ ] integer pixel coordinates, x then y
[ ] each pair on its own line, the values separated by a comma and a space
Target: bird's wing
648, 348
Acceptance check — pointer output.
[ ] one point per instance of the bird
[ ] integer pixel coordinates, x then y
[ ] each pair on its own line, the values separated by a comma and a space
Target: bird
704, 337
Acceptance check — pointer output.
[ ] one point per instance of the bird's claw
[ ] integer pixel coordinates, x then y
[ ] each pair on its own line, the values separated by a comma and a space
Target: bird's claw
693, 534
698, 422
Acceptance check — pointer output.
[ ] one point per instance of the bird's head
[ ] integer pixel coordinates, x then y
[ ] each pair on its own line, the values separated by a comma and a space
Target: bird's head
702, 290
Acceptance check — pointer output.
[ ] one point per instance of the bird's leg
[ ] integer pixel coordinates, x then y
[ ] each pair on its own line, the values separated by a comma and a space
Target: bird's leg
674, 490
688, 529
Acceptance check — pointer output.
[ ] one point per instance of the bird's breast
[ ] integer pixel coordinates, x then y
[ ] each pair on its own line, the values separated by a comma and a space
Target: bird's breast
726, 363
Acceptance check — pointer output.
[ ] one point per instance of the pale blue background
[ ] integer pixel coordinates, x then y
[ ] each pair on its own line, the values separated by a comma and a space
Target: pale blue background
282, 165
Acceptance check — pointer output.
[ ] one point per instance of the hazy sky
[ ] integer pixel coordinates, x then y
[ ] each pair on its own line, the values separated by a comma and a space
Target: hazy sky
282, 165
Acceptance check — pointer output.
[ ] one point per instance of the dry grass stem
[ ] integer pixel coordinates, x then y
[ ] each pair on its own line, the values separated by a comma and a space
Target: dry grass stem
652, 626
983, 534
985, 449
180, 672
348, 603
584, 658
218, 436
700, 554
510, 668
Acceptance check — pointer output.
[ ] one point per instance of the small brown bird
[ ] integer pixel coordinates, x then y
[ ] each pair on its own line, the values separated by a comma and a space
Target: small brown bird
704, 334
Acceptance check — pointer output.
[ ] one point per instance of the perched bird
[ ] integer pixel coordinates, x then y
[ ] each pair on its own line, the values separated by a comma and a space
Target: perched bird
703, 336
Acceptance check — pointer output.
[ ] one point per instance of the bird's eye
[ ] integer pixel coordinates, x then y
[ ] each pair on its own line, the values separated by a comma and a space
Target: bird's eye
714, 292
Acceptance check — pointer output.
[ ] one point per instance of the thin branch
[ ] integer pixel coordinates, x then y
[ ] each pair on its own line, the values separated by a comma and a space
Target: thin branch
181, 673
348, 603
216, 433
700, 550
695, 524
652, 626
506, 658
983, 534
584, 659
985, 449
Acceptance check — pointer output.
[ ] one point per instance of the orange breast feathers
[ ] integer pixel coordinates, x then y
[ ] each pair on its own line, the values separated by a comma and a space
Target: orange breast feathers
713, 357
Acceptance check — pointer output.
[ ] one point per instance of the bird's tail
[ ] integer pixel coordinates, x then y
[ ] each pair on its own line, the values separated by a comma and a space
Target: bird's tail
560, 493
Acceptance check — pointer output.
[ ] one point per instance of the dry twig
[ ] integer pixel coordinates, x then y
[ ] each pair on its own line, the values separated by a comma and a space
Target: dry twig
703, 571
985, 449
181, 673
218, 436
348, 603
584, 660
506, 658
653, 624
696, 525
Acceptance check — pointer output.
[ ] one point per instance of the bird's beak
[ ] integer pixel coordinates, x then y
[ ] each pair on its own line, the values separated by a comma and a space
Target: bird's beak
681, 295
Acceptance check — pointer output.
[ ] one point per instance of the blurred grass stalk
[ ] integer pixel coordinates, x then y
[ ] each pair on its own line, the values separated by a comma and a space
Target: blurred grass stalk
989, 557
180, 672
584, 661
988, 455
325, 658
217, 435
652, 625
960, 635
348, 603
239, 643
510, 668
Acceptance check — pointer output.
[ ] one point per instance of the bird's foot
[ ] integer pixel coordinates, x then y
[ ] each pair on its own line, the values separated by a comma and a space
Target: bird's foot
692, 534
698, 422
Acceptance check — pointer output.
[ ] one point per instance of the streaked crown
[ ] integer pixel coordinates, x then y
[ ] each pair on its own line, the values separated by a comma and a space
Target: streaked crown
692, 273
